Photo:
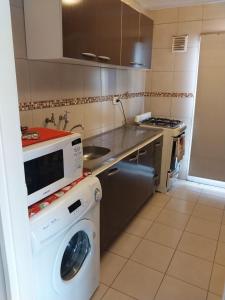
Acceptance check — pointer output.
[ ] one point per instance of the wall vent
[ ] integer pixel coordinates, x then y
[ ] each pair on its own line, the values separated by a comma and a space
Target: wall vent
180, 43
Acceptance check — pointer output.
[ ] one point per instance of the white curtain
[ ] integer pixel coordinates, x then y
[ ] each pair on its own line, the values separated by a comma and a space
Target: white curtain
208, 146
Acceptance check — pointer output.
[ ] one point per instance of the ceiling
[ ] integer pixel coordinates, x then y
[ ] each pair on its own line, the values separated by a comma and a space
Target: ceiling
160, 4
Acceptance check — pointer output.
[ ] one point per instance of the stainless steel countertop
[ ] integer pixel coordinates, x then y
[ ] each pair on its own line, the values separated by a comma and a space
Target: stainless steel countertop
121, 141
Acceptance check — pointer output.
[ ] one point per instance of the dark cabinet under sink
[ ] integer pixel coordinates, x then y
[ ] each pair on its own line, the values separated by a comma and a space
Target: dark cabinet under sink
127, 186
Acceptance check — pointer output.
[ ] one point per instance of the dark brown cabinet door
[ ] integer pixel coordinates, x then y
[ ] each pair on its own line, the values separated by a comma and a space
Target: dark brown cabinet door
146, 35
79, 30
131, 47
108, 31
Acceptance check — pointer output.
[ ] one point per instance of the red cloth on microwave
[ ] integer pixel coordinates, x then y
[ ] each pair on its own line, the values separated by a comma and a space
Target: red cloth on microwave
45, 134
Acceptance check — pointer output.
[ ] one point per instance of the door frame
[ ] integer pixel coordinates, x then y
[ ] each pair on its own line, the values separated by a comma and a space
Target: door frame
14, 222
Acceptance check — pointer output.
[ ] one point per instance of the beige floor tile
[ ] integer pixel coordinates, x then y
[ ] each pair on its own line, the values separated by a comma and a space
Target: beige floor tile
191, 269
112, 294
99, 292
204, 228
208, 213
174, 289
160, 199
222, 233
198, 246
217, 280
184, 193
125, 245
213, 201
213, 297
220, 254
111, 265
139, 227
173, 219
150, 211
138, 281
164, 235
180, 205
153, 255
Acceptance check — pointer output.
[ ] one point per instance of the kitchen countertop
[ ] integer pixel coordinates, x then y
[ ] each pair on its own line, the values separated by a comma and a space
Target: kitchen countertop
121, 141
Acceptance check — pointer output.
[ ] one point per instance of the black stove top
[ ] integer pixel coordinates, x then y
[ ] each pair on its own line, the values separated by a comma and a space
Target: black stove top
162, 122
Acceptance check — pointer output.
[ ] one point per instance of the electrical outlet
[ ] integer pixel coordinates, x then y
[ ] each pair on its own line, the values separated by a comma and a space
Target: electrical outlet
115, 99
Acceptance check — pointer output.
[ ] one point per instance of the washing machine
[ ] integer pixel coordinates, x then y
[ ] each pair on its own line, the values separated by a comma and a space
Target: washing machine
65, 242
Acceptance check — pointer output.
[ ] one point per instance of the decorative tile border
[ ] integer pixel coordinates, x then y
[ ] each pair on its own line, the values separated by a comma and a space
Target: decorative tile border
35, 105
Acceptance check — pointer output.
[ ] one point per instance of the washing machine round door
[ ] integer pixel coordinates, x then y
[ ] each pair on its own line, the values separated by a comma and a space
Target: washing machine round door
75, 254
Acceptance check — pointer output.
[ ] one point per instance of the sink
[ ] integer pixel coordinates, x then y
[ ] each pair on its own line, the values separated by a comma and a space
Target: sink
94, 152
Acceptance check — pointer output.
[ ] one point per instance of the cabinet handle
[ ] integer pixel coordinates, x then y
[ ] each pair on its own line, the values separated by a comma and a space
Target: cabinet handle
135, 63
133, 158
88, 54
143, 153
113, 172
104, 58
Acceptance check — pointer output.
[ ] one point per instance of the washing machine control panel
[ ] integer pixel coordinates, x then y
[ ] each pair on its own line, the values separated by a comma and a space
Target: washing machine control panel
71, 208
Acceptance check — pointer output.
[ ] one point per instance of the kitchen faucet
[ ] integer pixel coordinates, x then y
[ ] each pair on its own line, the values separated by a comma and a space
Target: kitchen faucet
65, 119
76, 126
51, 120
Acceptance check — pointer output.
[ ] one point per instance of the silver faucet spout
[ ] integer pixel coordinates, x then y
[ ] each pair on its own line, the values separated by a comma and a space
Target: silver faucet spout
77, 126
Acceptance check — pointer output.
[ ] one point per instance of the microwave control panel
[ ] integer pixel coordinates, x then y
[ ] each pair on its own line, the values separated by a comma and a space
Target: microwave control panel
78, 153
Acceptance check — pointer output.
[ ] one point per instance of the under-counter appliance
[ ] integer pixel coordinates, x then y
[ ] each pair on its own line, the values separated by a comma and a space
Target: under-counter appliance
173, 146
51, 165
65, 243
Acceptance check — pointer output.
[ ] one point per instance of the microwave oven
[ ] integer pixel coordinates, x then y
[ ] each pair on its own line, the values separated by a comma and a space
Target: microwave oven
51, 165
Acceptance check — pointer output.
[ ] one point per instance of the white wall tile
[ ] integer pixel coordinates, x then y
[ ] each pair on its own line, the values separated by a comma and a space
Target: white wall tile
148, 81
187, 61
26, 118
184, 82
190, 13
193, 29
162, 60
45, 83
92, 81
40, 115
214, 11
18, 29
213, 25
182, 108
136, 81
92, 116
147, 104
72, 78
108, 81
160, 106
107, 113
162, 35
22, 75
122, 81
164, 15
162, 81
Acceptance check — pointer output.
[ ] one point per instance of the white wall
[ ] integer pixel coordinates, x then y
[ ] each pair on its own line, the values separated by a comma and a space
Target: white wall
2, 281
178, 72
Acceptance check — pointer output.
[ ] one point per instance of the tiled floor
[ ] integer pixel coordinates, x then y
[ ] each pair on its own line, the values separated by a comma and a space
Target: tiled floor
173, 250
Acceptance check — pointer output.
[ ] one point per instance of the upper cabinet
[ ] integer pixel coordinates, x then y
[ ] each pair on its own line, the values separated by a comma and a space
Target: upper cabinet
130, 36
92, 30
99, 31
146, 36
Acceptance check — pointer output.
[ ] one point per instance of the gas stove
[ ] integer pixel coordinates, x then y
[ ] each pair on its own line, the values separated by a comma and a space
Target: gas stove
173, 146
162, 122
174, 126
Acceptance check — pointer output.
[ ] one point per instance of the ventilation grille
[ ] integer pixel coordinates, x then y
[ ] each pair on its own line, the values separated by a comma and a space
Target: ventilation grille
180, 43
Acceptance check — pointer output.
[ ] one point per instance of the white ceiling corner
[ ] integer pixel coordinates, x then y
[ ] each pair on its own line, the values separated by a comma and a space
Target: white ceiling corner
161, 4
